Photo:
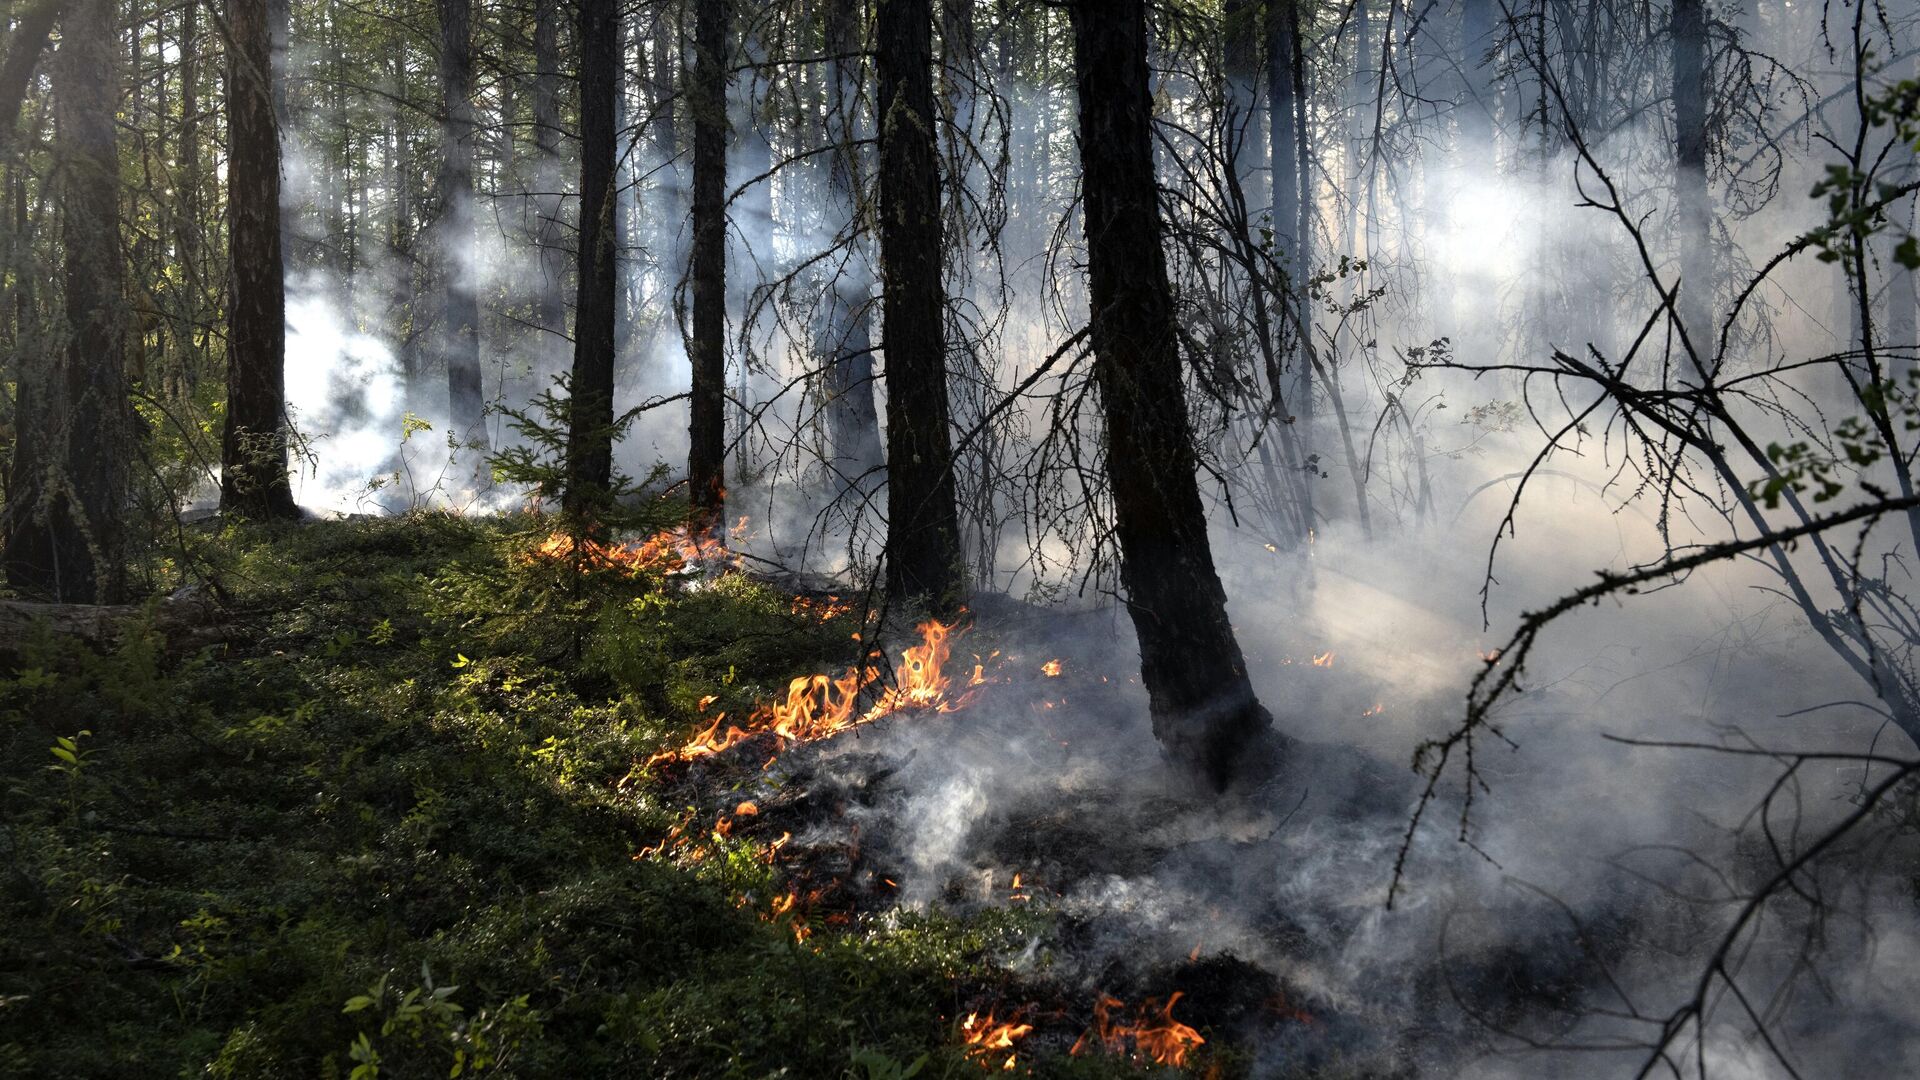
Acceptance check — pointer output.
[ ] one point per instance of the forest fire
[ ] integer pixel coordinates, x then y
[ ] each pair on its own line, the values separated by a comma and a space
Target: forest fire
783, 908
987, 1037
1153, 1033
667, 551
817, 706
822, 608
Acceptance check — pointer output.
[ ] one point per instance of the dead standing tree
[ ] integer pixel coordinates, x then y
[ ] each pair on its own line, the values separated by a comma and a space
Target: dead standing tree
1204, 709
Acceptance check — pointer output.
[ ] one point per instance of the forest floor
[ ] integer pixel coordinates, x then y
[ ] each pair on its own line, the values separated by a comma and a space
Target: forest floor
413, 818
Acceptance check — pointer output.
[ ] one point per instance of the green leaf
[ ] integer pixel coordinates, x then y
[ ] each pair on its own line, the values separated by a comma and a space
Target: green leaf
1907, 254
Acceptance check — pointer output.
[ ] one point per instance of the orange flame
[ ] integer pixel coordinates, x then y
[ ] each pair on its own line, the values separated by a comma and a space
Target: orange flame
783, 907
666, 551
986, 1038
1154, 1031
1051, 669
817, 706
825, 609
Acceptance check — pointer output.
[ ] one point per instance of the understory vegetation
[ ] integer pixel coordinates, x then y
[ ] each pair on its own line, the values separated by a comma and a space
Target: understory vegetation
392, 825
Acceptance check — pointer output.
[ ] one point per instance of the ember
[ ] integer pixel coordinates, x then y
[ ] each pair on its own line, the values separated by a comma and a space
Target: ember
823, 608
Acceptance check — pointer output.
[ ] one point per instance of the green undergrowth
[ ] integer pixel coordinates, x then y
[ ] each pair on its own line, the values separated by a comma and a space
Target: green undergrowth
381, 831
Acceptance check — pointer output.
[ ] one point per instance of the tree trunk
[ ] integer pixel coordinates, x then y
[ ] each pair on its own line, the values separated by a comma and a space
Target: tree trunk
1694, 205
1287, 143
590, 413
460, 302
923, 531
63, 530
1204, 710
707, 99
1241, 63
844, 345
1477, 100
550, 314
279, 30
670, 213
1903, 307
25, 43
253, 471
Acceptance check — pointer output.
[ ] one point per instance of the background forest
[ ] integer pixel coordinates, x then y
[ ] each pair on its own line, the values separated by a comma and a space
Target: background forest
890, 538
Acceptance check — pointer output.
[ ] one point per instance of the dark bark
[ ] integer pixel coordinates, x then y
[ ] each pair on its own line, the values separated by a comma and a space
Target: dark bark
64, 533
669, 233
844, 345
1287, 144
549, 307
958, 43
1694, 206
923, 533
752, 230
460, 302
707, 99
401, 236
279, 30
1241, 63
590, 413
24, 46
253, 451
1204, 710
1903, 306
188, 219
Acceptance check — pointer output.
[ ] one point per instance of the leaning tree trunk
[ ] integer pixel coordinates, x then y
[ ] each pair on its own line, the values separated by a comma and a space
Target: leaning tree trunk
1204, 709
843, 344
460, 301
590, 412
64, 533
253, 451
923, 530
707, 99
1694, 204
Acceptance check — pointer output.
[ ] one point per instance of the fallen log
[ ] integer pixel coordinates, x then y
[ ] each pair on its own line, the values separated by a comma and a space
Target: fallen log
186, 620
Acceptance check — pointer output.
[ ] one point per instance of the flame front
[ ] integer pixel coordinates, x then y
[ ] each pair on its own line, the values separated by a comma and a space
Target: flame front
817, 706
667, 551
986, 1038
1154, 1031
